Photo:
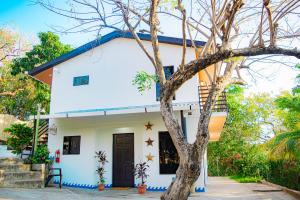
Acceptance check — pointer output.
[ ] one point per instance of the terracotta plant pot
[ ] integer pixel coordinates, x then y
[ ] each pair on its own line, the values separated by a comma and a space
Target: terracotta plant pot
101, 187
142, 189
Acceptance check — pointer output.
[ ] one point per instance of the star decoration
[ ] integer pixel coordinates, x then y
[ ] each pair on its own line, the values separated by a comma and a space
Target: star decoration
148, 126
149, 142
149, 157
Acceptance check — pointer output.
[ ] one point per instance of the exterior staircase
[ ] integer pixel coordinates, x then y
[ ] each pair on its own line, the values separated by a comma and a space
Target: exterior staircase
14, 173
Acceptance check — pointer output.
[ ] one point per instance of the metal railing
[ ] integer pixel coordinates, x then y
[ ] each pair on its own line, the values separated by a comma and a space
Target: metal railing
221, 102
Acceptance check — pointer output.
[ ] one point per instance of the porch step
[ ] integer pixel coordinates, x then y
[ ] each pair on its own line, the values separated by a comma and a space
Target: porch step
20, 175
9, 161
14, 167
26, 183
14, 173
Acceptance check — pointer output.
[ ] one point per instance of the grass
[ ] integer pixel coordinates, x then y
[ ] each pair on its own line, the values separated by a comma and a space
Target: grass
247, 179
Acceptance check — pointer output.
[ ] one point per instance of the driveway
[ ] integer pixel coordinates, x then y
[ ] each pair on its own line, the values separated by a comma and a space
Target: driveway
218, 188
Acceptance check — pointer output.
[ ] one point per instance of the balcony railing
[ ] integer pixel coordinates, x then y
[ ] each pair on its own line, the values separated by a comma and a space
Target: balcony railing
221, 103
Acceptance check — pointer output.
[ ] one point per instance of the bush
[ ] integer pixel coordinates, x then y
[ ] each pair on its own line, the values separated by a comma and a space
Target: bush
41, 155
237, 159
246, 179
20, 137
285, 173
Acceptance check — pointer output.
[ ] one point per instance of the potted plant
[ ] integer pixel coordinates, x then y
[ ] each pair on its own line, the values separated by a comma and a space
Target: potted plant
140, 171
40, 158
102, 160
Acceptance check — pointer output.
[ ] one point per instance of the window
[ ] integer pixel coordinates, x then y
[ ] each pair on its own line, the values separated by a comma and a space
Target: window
71, 145
169, 70
81, 80
168, 156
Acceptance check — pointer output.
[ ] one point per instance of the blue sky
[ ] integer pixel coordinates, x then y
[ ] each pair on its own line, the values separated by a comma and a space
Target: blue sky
29, 19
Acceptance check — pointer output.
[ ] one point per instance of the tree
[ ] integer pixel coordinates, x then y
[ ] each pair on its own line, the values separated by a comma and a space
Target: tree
49, 48
237, 152
19, 94
286, 145
232, 34
20, 137
11, 45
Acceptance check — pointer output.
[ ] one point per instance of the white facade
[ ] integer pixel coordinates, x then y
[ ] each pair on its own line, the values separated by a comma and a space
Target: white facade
109, 105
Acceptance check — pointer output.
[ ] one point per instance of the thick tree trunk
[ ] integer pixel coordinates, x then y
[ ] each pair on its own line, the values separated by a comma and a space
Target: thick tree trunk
191, 155
186, 175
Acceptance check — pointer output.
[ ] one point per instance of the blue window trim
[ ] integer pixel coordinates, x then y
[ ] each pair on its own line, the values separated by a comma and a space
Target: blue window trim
81, 80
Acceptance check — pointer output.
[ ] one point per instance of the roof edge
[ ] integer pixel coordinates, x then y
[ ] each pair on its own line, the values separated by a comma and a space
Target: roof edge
104, 39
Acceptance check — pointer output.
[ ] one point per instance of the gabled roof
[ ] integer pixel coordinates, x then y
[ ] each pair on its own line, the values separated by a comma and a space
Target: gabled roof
104, 39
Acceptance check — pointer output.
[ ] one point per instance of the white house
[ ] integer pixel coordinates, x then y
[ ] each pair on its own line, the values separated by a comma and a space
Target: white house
95, 106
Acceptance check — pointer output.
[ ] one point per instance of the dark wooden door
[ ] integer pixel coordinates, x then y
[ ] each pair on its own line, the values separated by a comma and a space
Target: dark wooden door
123, 160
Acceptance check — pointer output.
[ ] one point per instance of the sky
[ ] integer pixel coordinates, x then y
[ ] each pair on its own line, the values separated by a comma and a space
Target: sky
29, 19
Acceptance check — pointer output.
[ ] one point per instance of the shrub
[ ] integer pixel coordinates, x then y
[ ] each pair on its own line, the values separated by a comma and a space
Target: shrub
285, 173
41, 155
20, 137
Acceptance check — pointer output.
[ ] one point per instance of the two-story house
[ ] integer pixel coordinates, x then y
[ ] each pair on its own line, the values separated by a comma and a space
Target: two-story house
95, 106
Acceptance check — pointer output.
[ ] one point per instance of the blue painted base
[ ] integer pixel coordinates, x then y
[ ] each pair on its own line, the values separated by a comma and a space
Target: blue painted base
89, 186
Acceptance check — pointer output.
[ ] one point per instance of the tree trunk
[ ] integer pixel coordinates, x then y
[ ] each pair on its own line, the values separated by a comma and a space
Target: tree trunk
191, 155
186, 175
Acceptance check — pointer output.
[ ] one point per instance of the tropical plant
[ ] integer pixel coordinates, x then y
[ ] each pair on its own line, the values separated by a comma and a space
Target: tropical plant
41, 155
20, 136
140, 171
286, 144
102, 160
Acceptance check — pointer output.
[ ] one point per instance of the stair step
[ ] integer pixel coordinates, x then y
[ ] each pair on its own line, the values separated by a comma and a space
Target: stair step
13, 176
7, 161
26, 183
14, 167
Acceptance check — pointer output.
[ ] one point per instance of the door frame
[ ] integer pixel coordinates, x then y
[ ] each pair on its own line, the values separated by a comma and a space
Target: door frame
113, 156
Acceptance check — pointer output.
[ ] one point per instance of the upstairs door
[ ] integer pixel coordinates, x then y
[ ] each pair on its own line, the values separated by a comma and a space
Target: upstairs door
123, 160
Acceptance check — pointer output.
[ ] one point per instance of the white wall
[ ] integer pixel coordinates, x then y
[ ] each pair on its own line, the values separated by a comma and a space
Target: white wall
97, 134
111, 68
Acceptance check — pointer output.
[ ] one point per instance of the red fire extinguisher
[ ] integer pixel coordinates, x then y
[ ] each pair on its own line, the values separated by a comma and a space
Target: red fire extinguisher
57, 156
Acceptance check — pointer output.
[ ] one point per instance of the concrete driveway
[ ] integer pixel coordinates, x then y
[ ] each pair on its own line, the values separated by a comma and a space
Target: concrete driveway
218, 188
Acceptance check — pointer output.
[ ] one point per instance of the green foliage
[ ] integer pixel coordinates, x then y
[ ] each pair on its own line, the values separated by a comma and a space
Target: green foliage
144, 81
285, 146
168, 5
236, 153
49, 48
20, 94
20, 137
102, 160
289, 110
240, 152
41, 155
285, 173
246, 179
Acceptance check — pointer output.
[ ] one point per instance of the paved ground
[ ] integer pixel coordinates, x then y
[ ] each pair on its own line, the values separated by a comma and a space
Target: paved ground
218, 188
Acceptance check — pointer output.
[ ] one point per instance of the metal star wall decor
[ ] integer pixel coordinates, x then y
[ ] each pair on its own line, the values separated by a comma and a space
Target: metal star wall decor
149, 157
148, 126
149, 142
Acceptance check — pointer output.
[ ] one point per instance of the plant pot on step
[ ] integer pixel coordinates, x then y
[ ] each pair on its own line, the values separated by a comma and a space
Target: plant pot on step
142, 189
101, 187
38, 167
